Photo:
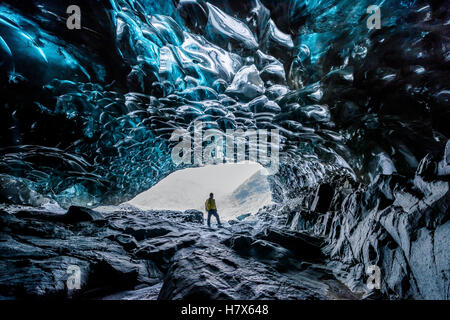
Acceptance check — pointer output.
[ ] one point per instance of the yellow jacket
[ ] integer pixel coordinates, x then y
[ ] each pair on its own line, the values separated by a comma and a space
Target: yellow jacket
211, 204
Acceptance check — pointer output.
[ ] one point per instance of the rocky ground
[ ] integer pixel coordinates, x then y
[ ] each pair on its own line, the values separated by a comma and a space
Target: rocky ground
398, 224
315, 245
127, 254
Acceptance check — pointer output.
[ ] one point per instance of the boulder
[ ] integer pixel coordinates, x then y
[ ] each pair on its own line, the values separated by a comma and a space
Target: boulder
193, 216
78, 214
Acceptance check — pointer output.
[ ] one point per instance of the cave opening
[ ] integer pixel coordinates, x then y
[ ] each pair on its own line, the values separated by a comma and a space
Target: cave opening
239, 189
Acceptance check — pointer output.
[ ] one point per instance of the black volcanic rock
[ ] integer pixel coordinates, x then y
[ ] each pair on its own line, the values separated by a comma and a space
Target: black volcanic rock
132, 250
301, 244
77, 214
401, 227
194, 216
73, 215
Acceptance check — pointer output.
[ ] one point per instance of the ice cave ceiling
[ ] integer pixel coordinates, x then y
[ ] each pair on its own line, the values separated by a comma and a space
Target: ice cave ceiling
87, 114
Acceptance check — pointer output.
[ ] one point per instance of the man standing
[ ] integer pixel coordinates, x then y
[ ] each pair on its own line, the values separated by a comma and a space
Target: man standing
210, 206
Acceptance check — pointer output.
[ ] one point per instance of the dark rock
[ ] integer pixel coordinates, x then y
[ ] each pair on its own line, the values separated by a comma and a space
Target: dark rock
323, 198
193, 216
136, 249
301, 244
213, 273
77, 214
302, 220
37, 248
73, 215
105, 278
126, 241
444, 164
240, 243
403, 237
162, 250
427, 168
147, 233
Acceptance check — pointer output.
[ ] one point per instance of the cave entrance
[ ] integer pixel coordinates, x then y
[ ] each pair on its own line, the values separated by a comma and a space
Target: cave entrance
239, 188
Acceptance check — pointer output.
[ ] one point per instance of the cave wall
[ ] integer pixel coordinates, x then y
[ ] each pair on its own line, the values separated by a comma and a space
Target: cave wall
397, 223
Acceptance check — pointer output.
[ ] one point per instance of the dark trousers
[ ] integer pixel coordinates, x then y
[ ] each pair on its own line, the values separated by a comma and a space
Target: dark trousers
213, 212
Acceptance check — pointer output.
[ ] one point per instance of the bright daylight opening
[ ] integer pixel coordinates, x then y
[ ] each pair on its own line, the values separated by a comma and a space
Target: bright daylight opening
239, 188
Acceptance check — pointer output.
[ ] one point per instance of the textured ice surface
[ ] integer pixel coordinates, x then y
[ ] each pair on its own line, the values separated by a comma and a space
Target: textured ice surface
87, 114
226, 30
247, 84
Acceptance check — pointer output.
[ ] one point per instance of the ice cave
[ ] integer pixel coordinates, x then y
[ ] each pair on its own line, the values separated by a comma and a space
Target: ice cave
348, 99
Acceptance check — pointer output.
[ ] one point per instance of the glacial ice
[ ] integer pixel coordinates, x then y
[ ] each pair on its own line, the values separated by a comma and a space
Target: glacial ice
106, 99
228, 31
247, 84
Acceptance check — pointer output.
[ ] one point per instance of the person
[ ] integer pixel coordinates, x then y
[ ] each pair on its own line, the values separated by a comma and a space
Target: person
211, 208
